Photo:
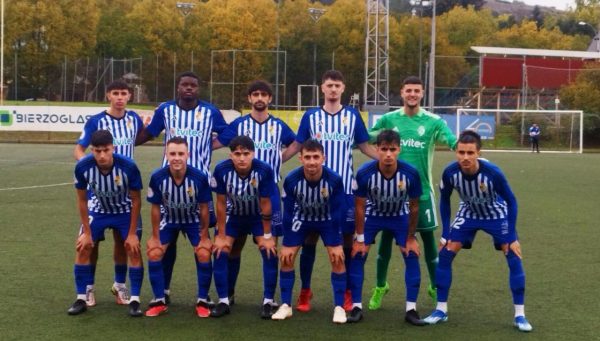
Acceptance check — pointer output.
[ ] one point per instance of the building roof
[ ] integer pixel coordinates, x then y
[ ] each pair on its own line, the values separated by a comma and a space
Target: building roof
508, 51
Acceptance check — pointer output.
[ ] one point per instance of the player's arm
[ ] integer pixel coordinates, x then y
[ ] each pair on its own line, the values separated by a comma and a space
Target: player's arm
266, 242
85, 239
445, 193
380, 125
153, 129
205, 242
132, 243
358, 246
143, 136
413, 218
290, 151
221, 236
445, 135
368, 150
504, 190
79, 152
154, 240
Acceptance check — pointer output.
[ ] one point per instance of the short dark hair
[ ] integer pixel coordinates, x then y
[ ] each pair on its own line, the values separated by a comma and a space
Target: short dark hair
242, 141
101, 138
187, 74
260, 85
388, 136
177, 140
119, 84
334, 75
412, 80
469, 136
312, 145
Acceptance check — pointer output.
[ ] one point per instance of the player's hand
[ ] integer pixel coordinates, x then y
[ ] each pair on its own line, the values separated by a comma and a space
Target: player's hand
84, 242
285, 257
514, 247
358, 247
206, 244
336, 255
154, 244
269, 246
411, 245
132, 244
220, 245
443, 242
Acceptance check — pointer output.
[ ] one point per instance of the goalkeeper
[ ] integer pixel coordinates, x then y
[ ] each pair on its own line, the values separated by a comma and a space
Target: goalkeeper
419, 131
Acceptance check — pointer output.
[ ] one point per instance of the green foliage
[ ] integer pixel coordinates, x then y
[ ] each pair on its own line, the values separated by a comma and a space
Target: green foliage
584, 94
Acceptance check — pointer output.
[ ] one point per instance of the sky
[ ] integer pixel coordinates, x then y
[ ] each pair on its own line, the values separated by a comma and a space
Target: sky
558, 4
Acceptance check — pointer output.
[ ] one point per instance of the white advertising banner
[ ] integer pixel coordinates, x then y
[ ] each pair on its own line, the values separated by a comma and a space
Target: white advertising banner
50, 118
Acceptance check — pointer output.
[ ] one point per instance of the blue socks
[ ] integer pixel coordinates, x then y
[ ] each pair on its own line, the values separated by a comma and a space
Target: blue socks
412, 276
307, 261
92, 276
269, 274
286, 283
204, 276
157, 279
338, 283
120, 273
82, 277
233, 269
444, 274
356, 276
516, 277
221, 274
168, 262
136, 277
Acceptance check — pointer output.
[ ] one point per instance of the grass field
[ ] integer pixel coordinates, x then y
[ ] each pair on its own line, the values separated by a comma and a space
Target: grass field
558, 216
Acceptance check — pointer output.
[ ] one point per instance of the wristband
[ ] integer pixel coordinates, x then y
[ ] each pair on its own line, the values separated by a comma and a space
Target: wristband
267, 235
360, 238
443, 241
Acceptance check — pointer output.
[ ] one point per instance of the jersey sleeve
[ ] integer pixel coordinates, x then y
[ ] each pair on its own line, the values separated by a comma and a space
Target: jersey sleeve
228, 134
219, 124
157, 125
287, 135
154, 194
415, 190
265, 185
503, 189
88, 129
445, 193
203, 195
380, 125
360, 184
138, 121
80, 181
361, 135
444, 135
217, 183
288, 203
337, 199
135, 178
304, 129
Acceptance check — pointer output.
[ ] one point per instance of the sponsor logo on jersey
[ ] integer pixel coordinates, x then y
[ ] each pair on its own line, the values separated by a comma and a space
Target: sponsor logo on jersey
186, 132
332, 136
264, 145
413, 143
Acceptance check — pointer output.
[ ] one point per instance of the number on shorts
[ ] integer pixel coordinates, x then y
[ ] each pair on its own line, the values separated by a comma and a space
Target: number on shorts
457, 222
428, 214
296, 225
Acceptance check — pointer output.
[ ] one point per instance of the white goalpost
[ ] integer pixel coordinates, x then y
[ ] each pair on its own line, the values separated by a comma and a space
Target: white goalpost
508, 130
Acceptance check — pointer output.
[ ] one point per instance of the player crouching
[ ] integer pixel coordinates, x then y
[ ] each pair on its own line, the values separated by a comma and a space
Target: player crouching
115, 183
182, 193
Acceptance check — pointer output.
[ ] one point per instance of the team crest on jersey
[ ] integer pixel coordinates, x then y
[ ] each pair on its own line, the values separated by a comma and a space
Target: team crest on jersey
271, 129
118, 181
345, 121
198, 115
482, 187
190, 191
421, 130
324, 192
401, 185
253, 182
129, 124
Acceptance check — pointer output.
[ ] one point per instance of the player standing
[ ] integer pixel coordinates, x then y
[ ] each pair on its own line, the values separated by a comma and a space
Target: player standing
387, 194
311, 198
179, 195
337, 128
270, 135
195, 121
124, 125
115, 182
419, 131
244, 187
487, 203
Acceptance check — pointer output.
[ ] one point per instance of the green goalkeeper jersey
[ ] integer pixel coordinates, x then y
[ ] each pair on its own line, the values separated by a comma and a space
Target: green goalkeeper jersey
419, 134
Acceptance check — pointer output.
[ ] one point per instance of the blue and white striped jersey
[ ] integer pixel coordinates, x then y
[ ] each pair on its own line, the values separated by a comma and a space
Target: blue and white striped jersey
337, 133
268, 136
243, 193
195, 125
485, 195
179, 203
387, 197
313, 202
110, 191
124, 130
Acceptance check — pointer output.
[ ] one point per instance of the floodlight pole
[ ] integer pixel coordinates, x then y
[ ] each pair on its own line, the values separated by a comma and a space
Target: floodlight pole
431, 84
185, 8
2, 53
596, 39
420, 4
315, 14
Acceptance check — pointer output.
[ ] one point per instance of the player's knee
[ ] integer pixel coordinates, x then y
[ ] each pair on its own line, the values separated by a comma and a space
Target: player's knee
155, 254
203, 256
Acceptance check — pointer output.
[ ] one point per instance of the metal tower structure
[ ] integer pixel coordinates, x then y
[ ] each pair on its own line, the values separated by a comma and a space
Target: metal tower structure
376, 91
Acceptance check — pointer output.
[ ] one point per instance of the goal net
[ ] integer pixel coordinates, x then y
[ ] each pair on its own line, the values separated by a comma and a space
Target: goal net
508, 130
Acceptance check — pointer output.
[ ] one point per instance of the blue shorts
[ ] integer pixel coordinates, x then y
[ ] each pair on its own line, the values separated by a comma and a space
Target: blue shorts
348, 226
295, 234
169, 232
119, 222
463, 230
398, 226
243, 225
276, 222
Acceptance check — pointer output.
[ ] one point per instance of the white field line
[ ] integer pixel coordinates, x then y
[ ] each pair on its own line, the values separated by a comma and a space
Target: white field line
34, 187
